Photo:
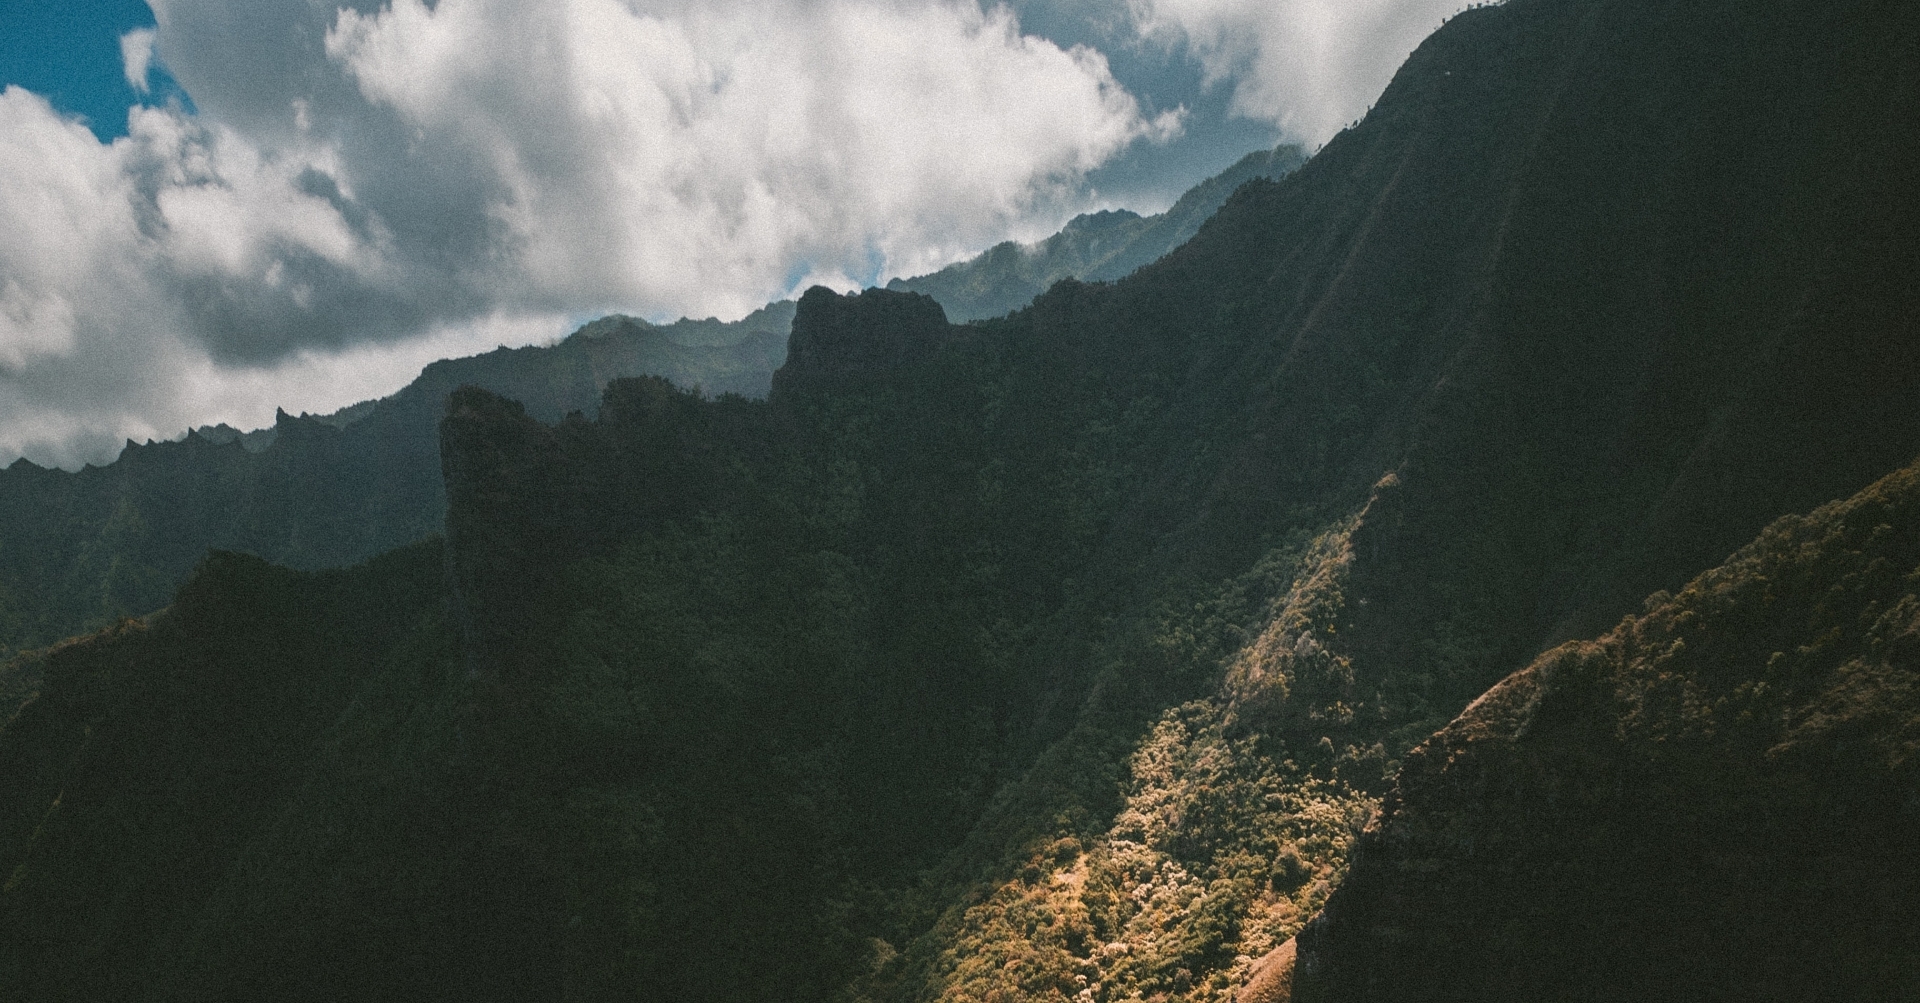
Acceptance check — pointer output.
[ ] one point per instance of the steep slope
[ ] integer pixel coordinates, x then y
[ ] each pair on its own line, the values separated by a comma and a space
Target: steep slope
166, 766
78, 550
1712, 800
1097, 246
1064, 655
1608, 306
1590, 382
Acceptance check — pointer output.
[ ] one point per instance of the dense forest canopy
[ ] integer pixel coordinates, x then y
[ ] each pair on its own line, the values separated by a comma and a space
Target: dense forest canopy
1091, 652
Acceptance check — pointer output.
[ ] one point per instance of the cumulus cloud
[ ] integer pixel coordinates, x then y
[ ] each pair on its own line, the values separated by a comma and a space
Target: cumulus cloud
136, 56
112, 259
365, 188
1309, 66
695, 157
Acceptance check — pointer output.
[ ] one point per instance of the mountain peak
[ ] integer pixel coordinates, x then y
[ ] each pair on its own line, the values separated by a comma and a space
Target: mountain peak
840, 337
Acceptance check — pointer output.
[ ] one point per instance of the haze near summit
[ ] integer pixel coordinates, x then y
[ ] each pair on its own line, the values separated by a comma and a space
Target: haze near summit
212, 208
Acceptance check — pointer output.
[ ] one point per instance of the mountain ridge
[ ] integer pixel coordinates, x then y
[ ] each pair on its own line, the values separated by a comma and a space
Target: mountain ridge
1092, 247
384, 474
339, 489
1060, 655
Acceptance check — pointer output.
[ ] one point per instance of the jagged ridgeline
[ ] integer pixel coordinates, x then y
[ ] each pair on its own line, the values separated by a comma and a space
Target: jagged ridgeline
1066, 656
78, 550
1099, 246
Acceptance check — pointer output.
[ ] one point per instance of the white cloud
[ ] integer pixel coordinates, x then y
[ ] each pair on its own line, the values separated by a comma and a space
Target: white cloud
1309, 66
692, 159
111, 258
136, 56
325, 381
364, 188
361, 190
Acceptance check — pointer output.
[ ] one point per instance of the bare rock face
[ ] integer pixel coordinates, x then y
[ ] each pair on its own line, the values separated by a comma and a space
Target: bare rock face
1714, 800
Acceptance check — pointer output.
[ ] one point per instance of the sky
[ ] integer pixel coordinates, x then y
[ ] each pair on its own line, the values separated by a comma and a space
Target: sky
213, 208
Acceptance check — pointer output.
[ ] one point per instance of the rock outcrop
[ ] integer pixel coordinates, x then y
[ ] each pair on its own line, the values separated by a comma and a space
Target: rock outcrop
860, 336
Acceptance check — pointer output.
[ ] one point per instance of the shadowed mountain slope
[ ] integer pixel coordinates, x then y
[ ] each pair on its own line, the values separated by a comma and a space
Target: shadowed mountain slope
1582, 306
1065, 655
1713, 800
270, 721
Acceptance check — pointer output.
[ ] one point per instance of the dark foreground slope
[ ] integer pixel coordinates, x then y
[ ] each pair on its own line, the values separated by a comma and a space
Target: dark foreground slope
1715, 800
1064, 656
79, 549
1097, 246
1158, 580
170, 775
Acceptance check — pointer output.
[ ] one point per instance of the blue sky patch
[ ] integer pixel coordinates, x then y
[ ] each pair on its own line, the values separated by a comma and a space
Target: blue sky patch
69, 53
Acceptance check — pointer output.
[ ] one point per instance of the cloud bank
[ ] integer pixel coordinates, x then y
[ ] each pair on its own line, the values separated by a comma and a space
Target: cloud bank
355, 180
694, 157
359, 189
1308, 66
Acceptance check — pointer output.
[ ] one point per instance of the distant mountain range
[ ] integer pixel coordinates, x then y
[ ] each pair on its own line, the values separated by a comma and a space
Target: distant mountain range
79, 550
1095, 247
1338, 608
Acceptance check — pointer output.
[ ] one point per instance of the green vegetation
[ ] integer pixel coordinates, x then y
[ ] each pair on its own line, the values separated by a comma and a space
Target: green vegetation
1714, 799
1080, 643
1217, 856
175, 785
